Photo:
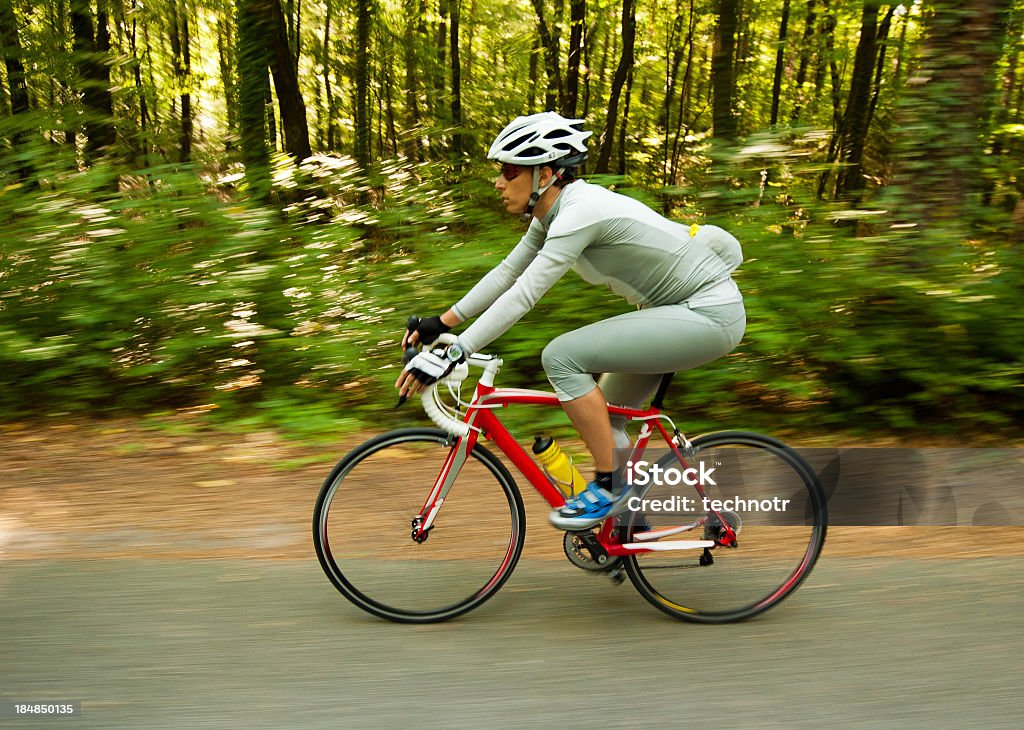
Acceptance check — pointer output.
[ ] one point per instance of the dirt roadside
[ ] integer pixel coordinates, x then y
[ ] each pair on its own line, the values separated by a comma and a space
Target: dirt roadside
119, 489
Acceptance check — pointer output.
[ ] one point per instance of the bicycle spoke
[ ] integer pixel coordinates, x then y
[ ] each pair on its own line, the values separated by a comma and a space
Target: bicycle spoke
777, 541
363, 529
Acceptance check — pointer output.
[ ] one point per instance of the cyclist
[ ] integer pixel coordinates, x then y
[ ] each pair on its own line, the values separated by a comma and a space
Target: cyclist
690, 310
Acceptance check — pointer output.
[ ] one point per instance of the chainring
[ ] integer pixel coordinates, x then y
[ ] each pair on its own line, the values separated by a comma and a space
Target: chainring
579, 554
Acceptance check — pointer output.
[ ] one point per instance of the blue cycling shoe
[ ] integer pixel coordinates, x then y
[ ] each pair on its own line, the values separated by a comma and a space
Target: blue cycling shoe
591, 507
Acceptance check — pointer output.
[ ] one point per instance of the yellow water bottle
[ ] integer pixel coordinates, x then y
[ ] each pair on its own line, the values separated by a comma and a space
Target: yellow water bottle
558, 466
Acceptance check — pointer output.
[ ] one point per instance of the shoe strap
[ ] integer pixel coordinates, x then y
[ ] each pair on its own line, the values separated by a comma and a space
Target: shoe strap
595, 496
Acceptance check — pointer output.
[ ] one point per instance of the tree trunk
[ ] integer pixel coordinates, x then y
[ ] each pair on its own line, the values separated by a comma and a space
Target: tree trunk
471, 25
442, 57
102, 61
685, 94
227, 75
722, 65
11, 47
61, 92
364, 17
828, 27
674, 58
621, 76
412, 84
829, 35
293, 22
296, 44
274, 135
389, 104
154, 111
780, 57
325, 62
883, 37
945, 113
93, 75
577, 23
331, 128
142, 150
181, 64
456, 103
534, 56
806, 55
625, 123
289, 15
286, 83
609, 50
588, 34
742, 45
186, 96
253, 59
549, 40
850, 180
555, 63
1001, 115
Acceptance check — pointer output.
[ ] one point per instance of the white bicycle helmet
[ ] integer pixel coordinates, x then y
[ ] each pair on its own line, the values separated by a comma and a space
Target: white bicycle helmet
539, 139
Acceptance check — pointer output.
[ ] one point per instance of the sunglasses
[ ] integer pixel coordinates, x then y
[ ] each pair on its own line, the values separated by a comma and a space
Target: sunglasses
509, 171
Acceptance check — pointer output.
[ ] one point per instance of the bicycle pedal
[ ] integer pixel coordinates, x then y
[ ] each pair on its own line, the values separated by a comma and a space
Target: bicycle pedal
617, 575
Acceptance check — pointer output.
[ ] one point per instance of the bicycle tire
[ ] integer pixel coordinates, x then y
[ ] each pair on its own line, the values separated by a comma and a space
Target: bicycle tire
363, 538
776, 550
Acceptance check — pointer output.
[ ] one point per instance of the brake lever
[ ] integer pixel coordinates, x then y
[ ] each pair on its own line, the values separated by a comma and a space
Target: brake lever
407, 356
411, 324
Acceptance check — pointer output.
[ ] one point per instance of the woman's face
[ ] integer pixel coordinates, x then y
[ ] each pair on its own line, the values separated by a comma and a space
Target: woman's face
515, 183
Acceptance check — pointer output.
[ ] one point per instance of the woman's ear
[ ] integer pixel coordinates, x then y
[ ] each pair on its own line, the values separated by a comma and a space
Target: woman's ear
546, 174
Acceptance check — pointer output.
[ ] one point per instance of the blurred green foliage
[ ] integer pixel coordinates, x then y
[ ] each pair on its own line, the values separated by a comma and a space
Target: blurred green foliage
175, 292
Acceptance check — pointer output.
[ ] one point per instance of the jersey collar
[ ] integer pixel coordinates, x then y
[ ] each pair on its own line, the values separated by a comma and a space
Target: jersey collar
549, 217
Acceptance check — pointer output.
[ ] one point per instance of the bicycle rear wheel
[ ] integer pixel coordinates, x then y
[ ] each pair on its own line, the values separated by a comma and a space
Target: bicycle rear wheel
362, 526
778, 541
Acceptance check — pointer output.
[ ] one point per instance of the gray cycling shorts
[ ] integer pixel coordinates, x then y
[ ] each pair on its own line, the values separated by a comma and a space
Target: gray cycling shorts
635, 349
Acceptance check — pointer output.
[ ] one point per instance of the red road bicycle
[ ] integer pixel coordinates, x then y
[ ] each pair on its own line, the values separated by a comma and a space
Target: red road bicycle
421, 525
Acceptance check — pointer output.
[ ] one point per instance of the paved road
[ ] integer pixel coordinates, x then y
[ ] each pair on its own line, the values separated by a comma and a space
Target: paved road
231, 643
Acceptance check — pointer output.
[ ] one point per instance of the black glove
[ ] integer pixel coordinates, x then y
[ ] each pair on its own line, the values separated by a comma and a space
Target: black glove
429, 329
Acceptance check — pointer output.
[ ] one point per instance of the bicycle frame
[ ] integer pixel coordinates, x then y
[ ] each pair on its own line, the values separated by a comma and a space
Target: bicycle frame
480, 420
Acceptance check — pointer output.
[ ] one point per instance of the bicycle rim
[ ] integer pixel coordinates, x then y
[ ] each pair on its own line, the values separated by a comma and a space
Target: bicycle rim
777, 544
362, 528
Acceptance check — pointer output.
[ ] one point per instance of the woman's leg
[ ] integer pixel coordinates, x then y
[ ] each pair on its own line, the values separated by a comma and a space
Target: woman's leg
641, 345
630, 390
589, 414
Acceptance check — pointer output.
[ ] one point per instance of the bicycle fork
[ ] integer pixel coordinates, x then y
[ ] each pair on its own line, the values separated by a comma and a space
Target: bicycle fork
423, 523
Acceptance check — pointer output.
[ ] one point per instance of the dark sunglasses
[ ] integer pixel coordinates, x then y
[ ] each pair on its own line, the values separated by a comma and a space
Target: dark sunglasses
509, 171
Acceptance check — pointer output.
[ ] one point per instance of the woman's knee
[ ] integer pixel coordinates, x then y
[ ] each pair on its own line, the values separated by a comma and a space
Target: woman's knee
556, 361
569, 379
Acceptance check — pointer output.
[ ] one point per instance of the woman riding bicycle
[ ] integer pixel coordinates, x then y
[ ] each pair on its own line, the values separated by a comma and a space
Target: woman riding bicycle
690, 310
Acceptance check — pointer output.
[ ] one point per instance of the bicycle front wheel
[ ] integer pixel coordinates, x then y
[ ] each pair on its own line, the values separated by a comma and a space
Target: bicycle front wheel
362, 528
768, 494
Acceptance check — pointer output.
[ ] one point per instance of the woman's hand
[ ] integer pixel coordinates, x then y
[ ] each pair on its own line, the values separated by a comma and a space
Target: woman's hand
426, 368
424, 331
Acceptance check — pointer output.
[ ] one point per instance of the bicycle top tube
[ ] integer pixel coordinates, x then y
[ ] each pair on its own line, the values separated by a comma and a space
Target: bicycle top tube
488, 396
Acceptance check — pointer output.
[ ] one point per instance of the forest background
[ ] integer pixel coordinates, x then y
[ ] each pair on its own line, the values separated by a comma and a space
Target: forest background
229, 208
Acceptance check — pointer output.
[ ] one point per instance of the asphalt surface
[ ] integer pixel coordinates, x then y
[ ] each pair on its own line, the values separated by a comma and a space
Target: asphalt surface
153, 643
